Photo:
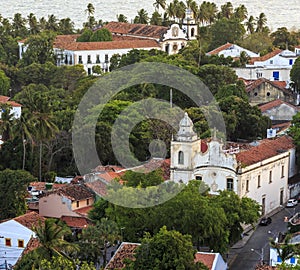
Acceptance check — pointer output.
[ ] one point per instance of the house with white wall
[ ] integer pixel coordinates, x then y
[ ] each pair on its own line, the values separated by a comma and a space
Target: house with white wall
274, 66
231, 50
15, 108
126, 36
282, 239
15, 234
259, 170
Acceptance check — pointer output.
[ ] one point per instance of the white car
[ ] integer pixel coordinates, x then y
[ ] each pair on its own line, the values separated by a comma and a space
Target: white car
291, 203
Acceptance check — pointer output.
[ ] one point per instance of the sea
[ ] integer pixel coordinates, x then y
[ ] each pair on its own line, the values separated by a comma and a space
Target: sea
279, 13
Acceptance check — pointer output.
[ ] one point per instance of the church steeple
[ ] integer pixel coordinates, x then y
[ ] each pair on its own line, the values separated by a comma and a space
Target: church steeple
186, 132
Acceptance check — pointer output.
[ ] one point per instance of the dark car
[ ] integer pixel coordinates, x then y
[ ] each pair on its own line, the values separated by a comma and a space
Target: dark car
265, 221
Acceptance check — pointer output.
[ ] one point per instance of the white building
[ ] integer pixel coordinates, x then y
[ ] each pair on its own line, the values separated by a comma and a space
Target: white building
15, 110
259, 171
15, 235
231, 50
126, 36
274, 66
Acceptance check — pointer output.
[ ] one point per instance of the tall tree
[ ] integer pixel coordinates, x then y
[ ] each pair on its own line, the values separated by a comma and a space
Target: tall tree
142, 17
250, 24
33, 24
261, 22
51, 236
122, 18
159, 4
166, 250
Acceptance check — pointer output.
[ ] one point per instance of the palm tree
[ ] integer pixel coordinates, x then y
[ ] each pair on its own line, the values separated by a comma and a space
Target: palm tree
241, 13
207, 12
180, 9
261, 22
90, 10
250, 24
33, 24
51, 239
156, 18
122, 18
52, 23
192, 5
226, 10
170, 11
18, 26
142, 17
66, 26
159, 3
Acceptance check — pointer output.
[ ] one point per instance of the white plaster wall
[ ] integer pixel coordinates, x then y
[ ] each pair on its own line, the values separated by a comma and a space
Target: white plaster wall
271, 191
250, 72
15, 231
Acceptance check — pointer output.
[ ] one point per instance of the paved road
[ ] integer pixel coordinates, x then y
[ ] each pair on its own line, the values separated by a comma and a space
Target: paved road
244, 258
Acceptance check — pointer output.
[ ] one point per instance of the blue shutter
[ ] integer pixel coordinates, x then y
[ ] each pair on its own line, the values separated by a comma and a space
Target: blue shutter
276, 75
293, 260
279, 259
291, 61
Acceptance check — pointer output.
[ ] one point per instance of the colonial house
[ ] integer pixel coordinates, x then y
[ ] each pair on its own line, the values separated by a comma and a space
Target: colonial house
213, 261
15, 110
73, 200
231, 50
126, 36
15, 235
274, 66
259, 170
263, 90
275, 259
278, 110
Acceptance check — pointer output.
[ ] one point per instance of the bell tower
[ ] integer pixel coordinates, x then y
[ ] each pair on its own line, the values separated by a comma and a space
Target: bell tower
184, 147
189, 25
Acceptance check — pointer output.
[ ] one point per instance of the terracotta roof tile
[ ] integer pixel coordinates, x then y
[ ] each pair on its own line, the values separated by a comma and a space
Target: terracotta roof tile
84, 211
205, 258
5, 99
98, 186
266, 148
281, 85
265, 57
30, 219
275, 103
219, 49
125, 251
110, 45
76, 222
144, 30
42, 185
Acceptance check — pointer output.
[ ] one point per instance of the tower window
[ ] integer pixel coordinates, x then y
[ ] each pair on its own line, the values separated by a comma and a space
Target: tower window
230, 184
192, 32
180, 157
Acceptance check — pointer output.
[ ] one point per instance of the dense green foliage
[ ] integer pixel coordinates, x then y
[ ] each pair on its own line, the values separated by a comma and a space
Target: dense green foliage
166, 250
13, 186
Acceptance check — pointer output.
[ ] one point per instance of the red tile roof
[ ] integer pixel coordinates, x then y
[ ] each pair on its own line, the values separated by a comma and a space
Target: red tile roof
125, 251
205, 258
265, 57
143, 30
98, 186
282, 126
84, 211
221, 48
74, 192
254, 84
42, 185
76, 222
275, 103
30, 219
110, 45
266, 148
5, 99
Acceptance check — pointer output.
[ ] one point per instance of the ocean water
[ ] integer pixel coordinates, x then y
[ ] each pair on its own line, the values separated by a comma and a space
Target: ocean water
279, 13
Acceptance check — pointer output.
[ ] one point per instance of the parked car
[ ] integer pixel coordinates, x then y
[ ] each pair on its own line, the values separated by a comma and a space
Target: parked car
291, 203
265, 221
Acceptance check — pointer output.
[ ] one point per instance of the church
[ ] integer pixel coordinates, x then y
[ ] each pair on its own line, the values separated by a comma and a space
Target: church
259, 170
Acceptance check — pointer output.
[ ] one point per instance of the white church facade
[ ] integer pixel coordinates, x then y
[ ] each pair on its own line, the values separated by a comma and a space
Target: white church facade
259, 171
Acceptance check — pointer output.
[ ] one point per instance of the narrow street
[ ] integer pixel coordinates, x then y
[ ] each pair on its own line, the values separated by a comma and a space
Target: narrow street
257, 247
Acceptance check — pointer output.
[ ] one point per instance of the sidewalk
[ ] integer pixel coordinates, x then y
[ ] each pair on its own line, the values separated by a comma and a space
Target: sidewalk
235, 249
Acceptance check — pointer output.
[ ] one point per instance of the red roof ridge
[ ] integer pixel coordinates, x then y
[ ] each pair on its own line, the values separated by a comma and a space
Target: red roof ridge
266, 56
275, 103
221, 48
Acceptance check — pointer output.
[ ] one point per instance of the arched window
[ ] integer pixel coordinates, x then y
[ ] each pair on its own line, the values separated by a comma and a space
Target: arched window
180, 157
192, 32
